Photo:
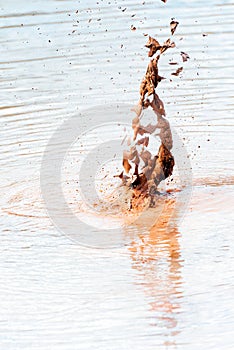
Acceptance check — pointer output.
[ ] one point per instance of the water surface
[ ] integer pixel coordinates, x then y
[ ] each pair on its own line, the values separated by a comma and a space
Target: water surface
167, 288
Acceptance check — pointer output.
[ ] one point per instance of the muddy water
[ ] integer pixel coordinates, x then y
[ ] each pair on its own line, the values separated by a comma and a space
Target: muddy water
171, 286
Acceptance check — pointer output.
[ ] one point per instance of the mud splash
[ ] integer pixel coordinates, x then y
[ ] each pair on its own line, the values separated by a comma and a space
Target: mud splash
150, 169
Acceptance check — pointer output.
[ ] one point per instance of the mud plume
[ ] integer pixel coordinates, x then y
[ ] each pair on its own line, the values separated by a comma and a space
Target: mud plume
145, 171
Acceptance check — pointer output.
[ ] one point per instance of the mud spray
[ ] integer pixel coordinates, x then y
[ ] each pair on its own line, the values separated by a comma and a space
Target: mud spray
144, 171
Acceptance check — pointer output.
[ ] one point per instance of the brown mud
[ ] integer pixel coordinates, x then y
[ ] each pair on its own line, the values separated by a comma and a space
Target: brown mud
144, 171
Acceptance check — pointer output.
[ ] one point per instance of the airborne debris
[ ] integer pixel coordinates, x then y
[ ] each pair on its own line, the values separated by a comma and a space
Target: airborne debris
178, 71
173, 26
126, 165
153, 45
144, 141
145, 170
167, 44
151, 79
184, 56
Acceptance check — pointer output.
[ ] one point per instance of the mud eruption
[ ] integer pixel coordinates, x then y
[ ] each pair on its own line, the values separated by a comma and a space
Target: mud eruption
143, 180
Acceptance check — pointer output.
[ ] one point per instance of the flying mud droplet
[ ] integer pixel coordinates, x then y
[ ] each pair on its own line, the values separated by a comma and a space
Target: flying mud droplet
184, 56
167, 45
153, 45
173, 25
177, 72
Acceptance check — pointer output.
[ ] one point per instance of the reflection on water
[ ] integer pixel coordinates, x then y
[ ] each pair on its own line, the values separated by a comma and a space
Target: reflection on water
157, 258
